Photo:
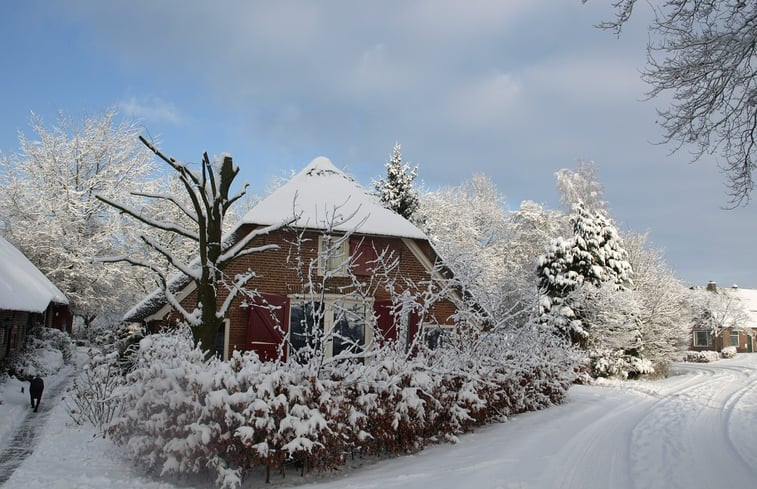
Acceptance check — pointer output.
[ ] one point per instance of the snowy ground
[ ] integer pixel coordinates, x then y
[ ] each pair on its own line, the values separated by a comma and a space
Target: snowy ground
696, 429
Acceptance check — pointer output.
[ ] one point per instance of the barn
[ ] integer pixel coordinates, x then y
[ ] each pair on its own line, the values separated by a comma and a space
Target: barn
343, 266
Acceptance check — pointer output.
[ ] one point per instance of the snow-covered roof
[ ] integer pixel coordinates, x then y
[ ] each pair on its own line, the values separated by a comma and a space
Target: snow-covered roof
748, 298
320, 194
22, 286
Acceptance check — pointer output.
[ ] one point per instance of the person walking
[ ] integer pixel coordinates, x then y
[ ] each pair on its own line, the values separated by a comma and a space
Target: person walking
37, 385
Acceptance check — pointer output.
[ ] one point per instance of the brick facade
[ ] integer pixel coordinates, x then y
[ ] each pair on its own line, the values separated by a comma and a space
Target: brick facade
277, 274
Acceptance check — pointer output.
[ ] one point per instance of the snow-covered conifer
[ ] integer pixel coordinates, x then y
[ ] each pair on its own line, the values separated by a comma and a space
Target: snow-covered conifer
396, 190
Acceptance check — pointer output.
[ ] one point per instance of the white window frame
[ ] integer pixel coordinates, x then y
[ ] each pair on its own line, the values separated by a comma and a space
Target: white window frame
329, 319
731, 335
333, 260
709, 338
428, 327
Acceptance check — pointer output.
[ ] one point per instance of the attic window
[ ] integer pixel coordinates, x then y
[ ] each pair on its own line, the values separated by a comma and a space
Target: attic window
333, 253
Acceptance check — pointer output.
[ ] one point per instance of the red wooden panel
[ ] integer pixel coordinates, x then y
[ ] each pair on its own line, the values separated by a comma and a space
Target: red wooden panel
385, 327
363, 257
267, 326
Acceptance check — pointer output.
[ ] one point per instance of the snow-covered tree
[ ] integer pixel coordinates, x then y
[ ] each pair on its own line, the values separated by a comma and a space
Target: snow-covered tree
701, 62
594, 255
581, 185
664, 303
49, 210
467, 225
209, 193
396, 190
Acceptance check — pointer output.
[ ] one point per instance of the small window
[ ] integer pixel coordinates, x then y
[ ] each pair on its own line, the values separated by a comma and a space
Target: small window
702, 338
734, 338
333, 252
435, 336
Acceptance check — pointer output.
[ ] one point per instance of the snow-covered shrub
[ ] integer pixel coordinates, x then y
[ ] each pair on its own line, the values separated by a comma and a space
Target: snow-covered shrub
185, 414
93, 396
701, 356
728, 352
46, 351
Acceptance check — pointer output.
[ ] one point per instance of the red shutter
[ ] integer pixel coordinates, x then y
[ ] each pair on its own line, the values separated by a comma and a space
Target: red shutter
363, 257
267, 326
385, 327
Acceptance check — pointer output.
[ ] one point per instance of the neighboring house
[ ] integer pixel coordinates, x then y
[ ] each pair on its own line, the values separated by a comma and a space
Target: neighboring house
737, 310
333, 212
27, 299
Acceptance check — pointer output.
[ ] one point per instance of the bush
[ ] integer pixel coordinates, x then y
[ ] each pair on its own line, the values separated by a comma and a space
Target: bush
93, 397
184, 414
701, 356
46, 351
728, 352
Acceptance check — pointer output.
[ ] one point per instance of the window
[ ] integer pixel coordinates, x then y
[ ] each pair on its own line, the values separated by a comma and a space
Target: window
435, 336
305, 323
222, 341
339, 326
333, 253
702, 338
734, 338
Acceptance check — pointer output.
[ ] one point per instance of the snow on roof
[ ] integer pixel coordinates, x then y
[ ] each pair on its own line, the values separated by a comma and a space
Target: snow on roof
748, 298
22, 286
321, 193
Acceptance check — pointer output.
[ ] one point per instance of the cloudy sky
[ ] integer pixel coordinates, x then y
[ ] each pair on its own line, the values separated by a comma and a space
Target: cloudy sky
513, 89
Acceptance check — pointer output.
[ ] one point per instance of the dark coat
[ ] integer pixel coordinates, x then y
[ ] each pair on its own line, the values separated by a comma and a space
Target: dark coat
36, 387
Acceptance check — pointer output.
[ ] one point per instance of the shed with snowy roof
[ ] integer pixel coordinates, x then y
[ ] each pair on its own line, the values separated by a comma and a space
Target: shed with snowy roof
346, 274
27, 299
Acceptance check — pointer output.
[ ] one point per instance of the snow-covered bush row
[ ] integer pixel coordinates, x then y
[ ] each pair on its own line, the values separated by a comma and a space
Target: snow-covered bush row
702, 356
184, 414
728, 352
46, 351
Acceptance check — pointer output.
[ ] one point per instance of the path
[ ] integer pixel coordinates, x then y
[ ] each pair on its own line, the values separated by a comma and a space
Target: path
22, 444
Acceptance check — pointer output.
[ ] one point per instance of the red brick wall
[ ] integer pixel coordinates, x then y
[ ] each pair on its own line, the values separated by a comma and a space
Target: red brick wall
276, 273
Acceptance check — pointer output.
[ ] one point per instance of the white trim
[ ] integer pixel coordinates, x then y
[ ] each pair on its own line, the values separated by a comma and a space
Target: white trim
167, 308
424, 260
226, 334
328, 318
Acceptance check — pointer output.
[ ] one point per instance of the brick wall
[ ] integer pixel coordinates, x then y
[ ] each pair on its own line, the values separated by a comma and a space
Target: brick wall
277, 273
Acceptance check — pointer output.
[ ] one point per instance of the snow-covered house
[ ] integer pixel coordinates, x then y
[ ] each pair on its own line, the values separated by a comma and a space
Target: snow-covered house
736, 312
333, 212
27, 299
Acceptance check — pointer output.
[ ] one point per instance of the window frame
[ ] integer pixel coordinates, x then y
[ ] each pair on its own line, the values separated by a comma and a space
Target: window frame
333, 261
708, 337
330, 317
734, 334
445, 329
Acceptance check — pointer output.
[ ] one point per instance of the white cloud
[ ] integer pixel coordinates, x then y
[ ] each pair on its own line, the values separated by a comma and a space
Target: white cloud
152, 109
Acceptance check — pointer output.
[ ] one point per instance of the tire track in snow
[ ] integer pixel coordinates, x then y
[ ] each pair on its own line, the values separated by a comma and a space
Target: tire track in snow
690, 422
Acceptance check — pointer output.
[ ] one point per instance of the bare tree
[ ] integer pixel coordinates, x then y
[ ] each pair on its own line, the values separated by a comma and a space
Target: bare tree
208, 192
704, 52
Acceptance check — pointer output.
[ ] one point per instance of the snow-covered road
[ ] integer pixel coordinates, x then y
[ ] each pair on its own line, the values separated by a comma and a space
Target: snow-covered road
696, 429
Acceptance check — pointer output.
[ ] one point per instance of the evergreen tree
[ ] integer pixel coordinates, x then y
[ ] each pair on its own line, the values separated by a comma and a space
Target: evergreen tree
396, 191
595, 256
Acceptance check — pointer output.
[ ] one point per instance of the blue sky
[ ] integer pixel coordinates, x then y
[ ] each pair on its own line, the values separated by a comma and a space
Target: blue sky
515, 90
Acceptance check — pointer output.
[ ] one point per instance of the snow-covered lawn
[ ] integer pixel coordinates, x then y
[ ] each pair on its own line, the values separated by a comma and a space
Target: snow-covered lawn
696, 429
